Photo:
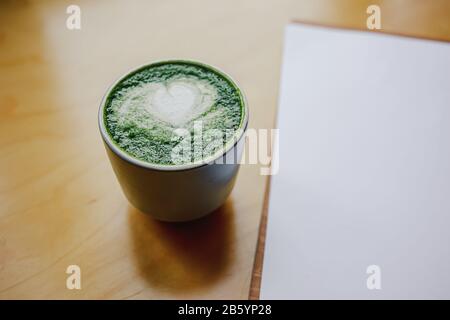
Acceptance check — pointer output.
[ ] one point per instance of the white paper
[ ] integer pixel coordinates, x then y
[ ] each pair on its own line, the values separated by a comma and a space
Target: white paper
364, 176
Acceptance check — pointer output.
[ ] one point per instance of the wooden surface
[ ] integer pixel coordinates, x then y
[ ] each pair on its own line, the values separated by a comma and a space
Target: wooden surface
60, 203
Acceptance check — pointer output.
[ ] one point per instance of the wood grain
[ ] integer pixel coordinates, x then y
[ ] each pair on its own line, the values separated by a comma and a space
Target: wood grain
60, 203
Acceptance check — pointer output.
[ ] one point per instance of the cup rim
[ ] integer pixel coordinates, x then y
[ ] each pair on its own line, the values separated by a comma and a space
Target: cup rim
237, 136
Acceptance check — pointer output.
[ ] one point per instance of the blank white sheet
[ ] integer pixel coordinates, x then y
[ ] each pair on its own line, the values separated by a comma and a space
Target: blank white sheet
364, 168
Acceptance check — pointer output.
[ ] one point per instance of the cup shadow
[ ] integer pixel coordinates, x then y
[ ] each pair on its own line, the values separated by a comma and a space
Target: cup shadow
179, 257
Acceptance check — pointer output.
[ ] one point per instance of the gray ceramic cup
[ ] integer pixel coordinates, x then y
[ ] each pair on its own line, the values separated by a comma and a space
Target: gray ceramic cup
177, 193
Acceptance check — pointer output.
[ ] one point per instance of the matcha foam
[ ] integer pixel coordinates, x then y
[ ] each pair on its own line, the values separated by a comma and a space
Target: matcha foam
145, 111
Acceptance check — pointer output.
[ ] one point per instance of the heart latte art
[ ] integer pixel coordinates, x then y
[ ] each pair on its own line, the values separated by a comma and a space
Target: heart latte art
175, 102
144, 110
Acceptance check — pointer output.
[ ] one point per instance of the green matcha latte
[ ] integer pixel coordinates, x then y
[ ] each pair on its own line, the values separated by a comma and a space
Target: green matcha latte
160, 109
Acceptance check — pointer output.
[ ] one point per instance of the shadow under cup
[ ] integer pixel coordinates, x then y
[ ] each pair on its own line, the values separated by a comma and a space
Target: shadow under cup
176, 192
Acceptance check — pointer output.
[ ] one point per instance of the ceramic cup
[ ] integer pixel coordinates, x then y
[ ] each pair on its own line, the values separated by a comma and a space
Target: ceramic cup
176, 192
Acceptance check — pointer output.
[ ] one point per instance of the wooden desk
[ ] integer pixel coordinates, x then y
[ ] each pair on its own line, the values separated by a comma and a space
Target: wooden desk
60, 203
